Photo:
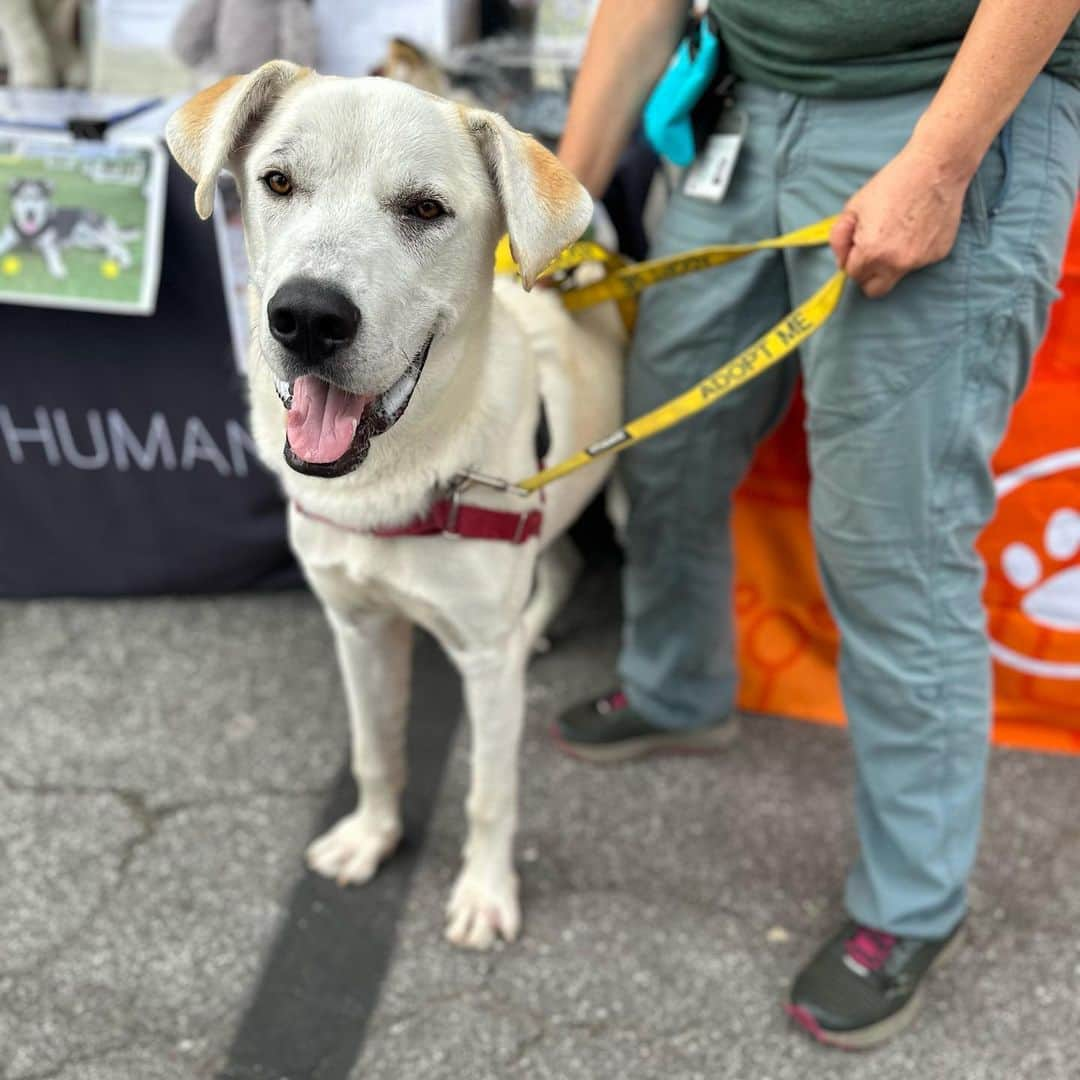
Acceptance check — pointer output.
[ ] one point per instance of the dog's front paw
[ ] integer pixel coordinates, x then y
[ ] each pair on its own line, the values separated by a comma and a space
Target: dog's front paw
482, 907
351, 851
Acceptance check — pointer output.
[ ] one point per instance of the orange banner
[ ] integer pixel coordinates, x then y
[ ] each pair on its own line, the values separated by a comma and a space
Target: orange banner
787, 640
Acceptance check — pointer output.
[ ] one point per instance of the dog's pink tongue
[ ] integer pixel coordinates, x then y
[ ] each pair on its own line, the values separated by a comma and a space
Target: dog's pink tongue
323, 419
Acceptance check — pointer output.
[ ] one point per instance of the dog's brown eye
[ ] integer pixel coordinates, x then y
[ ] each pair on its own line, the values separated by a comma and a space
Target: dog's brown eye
427, 210
278, 183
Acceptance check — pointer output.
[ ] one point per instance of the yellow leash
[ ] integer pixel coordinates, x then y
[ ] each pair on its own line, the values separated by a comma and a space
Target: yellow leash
624, 281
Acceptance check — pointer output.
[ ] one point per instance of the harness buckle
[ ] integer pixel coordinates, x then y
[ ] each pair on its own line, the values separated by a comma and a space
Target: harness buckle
468, 477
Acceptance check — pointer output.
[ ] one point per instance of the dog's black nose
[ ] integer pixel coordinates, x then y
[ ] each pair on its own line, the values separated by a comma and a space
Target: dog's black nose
311, 319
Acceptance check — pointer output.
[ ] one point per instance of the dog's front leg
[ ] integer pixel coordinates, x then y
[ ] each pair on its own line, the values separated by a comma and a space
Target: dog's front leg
484, 901
115, 247
375, 651
50, 252
120, 254
9, 239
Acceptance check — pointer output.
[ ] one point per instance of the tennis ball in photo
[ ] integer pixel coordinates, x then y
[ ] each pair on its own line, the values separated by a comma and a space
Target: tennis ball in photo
11, 265
110, 269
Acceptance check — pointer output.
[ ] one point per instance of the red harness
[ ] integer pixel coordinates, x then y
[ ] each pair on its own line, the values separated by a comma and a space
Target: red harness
450, 517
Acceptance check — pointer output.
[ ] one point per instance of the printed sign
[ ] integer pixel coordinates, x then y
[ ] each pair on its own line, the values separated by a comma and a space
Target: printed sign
80, 222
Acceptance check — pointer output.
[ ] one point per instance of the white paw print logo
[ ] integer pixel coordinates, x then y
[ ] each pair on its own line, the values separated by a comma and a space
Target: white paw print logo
1051, 599
1045, 573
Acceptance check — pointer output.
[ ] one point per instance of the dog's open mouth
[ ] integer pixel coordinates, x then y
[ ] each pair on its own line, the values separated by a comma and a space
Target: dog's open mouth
329, 430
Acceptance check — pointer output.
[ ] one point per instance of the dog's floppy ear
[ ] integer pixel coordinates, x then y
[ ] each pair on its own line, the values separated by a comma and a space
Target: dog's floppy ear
204, 133
544, 205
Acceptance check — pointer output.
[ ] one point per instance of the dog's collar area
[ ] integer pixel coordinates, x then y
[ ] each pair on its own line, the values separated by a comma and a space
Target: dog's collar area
450, 516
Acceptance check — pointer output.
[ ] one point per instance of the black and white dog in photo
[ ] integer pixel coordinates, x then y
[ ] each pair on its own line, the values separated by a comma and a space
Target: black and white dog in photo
38, 224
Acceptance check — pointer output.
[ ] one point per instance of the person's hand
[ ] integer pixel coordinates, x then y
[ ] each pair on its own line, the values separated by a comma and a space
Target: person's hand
905, 217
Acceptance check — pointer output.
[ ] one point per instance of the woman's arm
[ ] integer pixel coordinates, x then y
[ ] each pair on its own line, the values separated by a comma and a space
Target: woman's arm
629, 46
907, 216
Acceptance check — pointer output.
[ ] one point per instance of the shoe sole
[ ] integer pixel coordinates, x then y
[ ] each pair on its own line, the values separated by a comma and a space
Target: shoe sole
869, 1037
714, 740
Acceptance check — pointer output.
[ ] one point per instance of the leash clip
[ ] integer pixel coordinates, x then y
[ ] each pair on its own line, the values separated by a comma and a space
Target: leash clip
468, 477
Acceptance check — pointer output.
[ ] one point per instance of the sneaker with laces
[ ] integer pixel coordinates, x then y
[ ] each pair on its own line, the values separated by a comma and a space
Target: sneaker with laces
865, 986
608, 729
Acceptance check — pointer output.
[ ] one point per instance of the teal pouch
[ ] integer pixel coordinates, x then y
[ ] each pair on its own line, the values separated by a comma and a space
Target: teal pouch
668, 120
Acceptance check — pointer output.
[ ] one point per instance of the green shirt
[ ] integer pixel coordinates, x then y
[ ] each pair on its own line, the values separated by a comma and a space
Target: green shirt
856, 48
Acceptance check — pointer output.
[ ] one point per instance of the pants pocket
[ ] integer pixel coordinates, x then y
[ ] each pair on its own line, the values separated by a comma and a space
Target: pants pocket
989, 186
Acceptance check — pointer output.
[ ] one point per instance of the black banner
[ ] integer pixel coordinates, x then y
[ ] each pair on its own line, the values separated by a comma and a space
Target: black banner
125, 462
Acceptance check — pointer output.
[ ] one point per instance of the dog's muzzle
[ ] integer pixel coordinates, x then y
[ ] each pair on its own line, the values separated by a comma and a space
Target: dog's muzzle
329, 430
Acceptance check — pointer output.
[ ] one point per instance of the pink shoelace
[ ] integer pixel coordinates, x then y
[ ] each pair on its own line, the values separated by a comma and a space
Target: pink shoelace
870, 948
612, 703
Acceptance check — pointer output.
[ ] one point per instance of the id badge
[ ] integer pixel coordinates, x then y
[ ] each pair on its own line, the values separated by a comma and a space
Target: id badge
710, 175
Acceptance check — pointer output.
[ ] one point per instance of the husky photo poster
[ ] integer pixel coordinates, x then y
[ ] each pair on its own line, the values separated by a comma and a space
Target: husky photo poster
80, 222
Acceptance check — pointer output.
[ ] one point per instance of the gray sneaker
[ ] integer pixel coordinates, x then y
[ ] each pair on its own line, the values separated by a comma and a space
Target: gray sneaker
606, 730
865, 986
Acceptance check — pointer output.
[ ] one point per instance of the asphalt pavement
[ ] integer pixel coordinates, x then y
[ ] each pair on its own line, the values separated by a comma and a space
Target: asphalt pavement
163, 763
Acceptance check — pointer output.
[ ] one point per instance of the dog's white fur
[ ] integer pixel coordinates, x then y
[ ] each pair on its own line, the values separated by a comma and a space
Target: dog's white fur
350, 147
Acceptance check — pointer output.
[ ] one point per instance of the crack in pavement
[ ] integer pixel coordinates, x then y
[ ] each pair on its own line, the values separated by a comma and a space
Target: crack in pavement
148, 824
45, 787
149, 820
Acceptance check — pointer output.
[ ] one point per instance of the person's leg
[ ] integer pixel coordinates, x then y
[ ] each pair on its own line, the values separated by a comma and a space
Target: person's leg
677, 664
908, 397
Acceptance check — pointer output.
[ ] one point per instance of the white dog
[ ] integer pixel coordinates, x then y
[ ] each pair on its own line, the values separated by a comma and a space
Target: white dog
384, 365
